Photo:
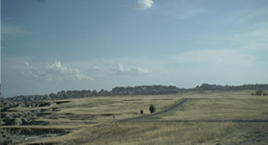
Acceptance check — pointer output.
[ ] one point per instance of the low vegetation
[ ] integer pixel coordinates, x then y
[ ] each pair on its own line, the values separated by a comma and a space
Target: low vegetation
260, 93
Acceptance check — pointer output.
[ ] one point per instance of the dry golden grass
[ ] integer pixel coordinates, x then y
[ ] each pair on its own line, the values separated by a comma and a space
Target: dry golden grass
149, 133
80, 113
157, 133
102, 109
221, 106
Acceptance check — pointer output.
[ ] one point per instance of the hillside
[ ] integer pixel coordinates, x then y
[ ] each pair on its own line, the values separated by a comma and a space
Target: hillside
209, 117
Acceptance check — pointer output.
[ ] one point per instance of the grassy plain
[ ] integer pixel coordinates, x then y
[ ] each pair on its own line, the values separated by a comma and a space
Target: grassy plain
221, 106
91, 120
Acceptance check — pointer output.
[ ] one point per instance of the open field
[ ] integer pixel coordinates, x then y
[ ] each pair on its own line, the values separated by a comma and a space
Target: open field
221, 106
91, 121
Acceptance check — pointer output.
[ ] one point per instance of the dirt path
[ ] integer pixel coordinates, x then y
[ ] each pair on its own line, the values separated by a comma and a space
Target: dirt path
154, 114
177, 105
239, 121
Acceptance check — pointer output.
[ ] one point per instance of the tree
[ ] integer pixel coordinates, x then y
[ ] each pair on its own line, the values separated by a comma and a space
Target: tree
152, 108
259, 92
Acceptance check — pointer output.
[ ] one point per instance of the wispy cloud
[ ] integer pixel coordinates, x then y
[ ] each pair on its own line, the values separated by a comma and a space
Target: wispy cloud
11, 29
254, 36
26, 63
42, 1
129, 71
54, 72
182, 10
189, 13
143, 4
215, 57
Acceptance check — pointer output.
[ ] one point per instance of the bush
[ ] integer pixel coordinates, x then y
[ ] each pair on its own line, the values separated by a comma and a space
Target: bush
264, 94
259, 92
152, 108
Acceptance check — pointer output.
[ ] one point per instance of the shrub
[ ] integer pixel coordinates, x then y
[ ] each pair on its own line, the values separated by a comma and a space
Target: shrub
259, 92
152, 108
264, 94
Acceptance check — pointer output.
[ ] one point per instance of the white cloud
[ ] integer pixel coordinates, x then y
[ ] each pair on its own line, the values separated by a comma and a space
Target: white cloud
143, 4
26, 63
129, 71
94, 68
53, 72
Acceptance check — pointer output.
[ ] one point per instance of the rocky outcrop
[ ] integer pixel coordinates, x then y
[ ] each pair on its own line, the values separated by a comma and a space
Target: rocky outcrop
25, 117
12, 135
19, 135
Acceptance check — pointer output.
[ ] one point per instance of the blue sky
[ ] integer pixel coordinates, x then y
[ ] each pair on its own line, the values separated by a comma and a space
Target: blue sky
53, 45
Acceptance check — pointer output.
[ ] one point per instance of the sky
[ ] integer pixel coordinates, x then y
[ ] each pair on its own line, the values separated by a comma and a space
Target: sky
53, 45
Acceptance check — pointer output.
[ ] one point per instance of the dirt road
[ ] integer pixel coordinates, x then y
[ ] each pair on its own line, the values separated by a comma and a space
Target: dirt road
154, 114
177, 105
238, 121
